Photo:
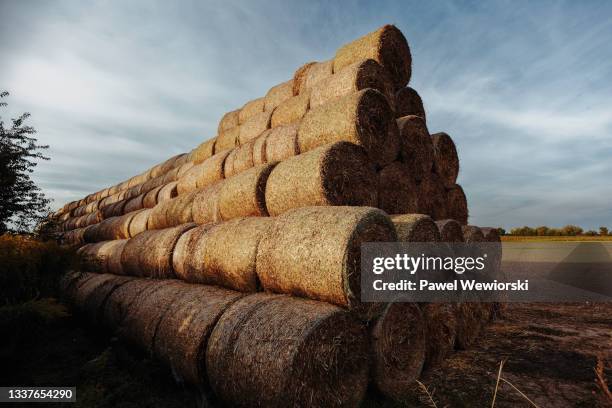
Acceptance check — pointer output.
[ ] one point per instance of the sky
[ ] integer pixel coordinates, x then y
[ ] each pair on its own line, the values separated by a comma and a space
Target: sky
523, 87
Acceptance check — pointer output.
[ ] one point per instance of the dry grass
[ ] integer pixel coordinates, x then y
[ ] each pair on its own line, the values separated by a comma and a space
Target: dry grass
581, 238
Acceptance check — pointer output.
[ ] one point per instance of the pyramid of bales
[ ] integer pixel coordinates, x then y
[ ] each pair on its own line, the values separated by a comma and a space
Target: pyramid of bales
238, 263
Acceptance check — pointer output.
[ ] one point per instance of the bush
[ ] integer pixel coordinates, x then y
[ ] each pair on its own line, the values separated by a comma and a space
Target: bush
30, 268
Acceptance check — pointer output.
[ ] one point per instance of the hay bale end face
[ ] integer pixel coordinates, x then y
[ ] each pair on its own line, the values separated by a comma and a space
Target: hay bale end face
229, 120
416, 146
387, 46
251, 109
185, 251
281, 143
315, 252
408, 102
456, 204
398, 342
139, 223
274, 350
227, 140
337, 174
397, 190
243, 195
362, 118
440, 322
472, 233
450, 231
415, 228
446, 159
432, 197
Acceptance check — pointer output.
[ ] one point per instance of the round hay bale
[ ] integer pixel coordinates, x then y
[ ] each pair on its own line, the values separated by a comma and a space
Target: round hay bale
225, 254
279, 351
281, 143
432, 198
259, 149
152, 184
229, 120
353, 78
133, 192
139, 223
150, 252
291, 111
93, 302
472, 233
315, 252
120, 301
183, 331
111, 228
337, 174
408, 102
150, 199
441, 332
85, 288
204, 151
446, 159
91, 259
490, 234
244, 194
142, 319
167, 192
251, 109
278, 94
239, 160
136, 203
227, 140
397, 190
185, 249
398, 344
387, 46
450, 231
114, 209
68, 282
185, 168
172, 212
170, 176
113, 257
415, 228
205, 207
204, 174
416, 146
456, 204
471, 319
300, 76
254, 127
362, 118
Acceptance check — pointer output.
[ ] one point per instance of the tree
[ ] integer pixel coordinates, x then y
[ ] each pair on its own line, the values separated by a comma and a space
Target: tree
22, 203
501, 231
603, 230
571, 230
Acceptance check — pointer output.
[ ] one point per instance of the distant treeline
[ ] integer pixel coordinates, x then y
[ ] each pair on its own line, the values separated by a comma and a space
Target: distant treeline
544, 231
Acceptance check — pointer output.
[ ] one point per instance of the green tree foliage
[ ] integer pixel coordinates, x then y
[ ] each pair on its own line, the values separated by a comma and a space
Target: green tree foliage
22, 203
603, 230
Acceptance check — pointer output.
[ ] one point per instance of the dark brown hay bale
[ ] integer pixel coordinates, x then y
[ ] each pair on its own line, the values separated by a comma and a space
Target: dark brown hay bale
408, 102
90, 259
183, 332
398, 349
472, 233
155, 171
416, 146
415, 228
278, 351
167, 192
355, 77
150, 199
239, 160
227, 140
228, 121
441, 332
259, 149
185, 249
150, 252
362, 118
456, 204
397, 190
136, 203
114, 209
146, 311
387, 46
251, 109
315, 252
254, 127
432, 197
203, 151
291, 111
337, 174
450, 230
471, 318
225, 254
446, 160
139, 223
133, 192
203, 174
205, 208
93, 302
69, 285
244, 194
120, 301
300, 76
281, 143
172, 212
490, 234
277, 94
152, 184
85, 288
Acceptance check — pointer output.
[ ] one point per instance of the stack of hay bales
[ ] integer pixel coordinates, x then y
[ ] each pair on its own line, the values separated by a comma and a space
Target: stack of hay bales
280, 202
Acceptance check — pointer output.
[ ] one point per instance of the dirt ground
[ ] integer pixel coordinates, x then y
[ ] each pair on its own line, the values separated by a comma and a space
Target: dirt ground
557, 355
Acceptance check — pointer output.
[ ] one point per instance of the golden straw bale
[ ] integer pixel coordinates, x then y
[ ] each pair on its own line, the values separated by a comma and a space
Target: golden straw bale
139, 222
300, 76
244, 194
254, 126
415, 228
150, 199
185, 250
167, 192
205, 207
134, 204
239, 160
277, 94
228, 121
203, 151
121, 300
259, 148
251, 109
203, 174
227, 140
281, 143
291, 111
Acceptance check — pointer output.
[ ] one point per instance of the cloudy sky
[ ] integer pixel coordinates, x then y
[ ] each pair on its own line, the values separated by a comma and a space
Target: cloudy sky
525, 89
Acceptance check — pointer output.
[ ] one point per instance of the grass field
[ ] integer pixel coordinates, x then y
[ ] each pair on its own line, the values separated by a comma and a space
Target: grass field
580, 238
